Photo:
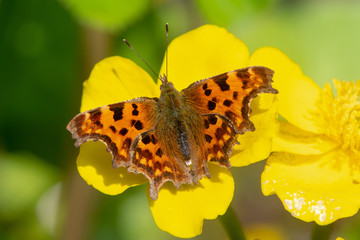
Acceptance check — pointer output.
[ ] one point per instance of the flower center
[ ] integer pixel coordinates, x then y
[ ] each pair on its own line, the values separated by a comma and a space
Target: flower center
339, 116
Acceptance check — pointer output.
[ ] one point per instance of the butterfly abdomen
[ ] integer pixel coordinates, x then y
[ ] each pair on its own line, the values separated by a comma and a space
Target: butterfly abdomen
182, 139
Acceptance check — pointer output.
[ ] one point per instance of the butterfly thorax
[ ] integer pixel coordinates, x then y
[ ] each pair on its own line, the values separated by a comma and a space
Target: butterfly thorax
170, 98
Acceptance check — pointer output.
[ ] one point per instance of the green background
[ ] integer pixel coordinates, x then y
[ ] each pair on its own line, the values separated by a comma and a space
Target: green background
47, 49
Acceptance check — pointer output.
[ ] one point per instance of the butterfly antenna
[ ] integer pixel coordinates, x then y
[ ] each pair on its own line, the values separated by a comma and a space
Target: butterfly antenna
167, 46
127, 43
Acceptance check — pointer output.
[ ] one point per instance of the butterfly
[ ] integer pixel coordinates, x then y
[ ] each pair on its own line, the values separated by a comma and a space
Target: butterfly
172, 138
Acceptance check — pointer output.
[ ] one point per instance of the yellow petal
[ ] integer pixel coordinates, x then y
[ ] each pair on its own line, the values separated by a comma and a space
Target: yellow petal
181, 212
316, 188
116, 79
95, 167
294, 140
256, 146
202, 53
297, 93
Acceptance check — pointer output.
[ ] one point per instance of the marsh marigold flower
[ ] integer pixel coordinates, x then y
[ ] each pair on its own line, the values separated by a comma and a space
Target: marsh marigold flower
315, 170
201, 53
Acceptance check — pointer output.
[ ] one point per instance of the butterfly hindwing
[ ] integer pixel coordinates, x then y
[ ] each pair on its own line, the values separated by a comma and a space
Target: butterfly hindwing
149, 157
117, 125
220, 137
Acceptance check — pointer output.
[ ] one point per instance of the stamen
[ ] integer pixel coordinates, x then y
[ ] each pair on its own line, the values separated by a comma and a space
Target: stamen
339, 118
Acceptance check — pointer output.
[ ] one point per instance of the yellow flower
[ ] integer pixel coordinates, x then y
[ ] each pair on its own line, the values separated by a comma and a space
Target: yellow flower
201, 53
315, 170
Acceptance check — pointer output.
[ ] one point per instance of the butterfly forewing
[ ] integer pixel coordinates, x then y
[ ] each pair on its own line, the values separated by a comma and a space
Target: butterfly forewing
117, 125
224, 102
229, 94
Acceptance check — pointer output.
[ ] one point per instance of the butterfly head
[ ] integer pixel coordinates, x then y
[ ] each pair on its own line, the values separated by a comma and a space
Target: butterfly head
169, 97
165, 84
163, 79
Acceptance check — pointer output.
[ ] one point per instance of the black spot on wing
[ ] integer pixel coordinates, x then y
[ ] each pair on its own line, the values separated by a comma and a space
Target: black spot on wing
211, 105
138, 125
221, 82
206, 123
118, 111
113, 129
235, 95
146, 139
245, 83
123, 131
159, 153
135, 112
208, 138
208, 92
227, 103
212, 119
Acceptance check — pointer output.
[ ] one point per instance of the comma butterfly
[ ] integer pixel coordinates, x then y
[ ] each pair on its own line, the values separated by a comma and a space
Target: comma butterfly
171, 138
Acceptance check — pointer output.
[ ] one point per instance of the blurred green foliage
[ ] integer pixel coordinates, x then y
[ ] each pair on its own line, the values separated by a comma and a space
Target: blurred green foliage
320, 37
15, 171
42, 50
24, 178
226, 12
108, 14
39, 55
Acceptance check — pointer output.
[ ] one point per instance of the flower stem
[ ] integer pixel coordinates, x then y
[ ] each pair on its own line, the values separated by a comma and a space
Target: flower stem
232, 225
321, 232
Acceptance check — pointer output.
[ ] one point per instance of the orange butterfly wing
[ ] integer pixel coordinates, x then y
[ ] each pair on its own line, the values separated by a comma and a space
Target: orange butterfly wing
127, 129
117, 125
150, 159
224, 101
